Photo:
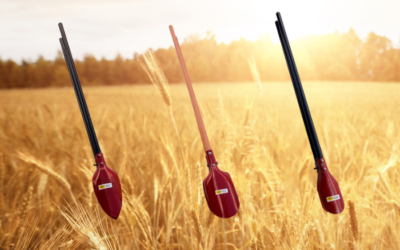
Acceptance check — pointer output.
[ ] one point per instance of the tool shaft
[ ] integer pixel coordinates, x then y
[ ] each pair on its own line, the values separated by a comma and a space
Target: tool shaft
78, 92
200, 123
301, 98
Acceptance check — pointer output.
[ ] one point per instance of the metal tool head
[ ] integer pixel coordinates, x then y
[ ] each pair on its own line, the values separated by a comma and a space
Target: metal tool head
219, 190
107, 188
328, 189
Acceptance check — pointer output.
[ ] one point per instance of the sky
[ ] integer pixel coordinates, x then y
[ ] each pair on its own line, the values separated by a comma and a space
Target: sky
106, 28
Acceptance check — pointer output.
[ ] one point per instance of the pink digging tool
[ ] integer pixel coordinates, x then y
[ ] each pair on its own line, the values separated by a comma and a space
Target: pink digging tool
106, 184
328, 188
218, 187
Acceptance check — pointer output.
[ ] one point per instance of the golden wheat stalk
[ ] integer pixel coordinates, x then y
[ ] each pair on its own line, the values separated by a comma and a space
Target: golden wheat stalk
2, 174
146, 222
138, 214
255, 74
47, 170
247, 115
396, 206
305, 166
60, 240
42, 184
157, 77
25, 203
320, 233
88, 174
253, 243
66, 245
128, 211
189, 185
353, 219
196, 225
2, 170
260, 242
25, 233
209, 220
143, 227
199, 180
86, 226
211, 236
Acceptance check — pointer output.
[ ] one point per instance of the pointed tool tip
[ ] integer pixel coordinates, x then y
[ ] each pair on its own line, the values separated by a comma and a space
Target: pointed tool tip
115, 214
337, 209
115, 217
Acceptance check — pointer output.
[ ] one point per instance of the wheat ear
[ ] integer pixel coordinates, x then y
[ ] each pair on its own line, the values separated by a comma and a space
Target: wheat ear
2, 174
320, 233
260, 242
25, 203
144, 228
198, 232
255, 74
66, 245
47, 170
396, 206
253, 243
353, 219
2, 170
209, 220
157, 77
85, 225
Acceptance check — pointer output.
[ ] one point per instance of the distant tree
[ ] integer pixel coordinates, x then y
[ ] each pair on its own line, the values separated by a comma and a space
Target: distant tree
336, 56
375, 58
106, 74
11, 73
91, 70
44, 73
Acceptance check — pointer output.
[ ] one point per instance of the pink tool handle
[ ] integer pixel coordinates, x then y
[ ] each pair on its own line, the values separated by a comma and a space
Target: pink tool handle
200, 124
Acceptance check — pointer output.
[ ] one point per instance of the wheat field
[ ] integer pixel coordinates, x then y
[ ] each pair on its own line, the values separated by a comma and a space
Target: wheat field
47, 201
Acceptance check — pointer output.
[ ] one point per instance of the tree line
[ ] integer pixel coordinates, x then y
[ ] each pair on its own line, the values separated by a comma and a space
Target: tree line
336, 56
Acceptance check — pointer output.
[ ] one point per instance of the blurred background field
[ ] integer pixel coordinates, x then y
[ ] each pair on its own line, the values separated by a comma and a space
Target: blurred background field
259, 139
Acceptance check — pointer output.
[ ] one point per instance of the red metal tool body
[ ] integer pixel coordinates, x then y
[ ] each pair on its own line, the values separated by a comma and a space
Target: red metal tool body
328, 188
216, 185
107, 188
219, 190
106, 183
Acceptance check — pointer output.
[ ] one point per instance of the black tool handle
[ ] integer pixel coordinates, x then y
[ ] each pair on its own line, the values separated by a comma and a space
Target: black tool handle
78, 91
301, 98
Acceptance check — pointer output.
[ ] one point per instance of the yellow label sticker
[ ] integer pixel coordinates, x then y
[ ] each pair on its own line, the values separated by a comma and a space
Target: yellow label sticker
105, 186
221, 191
333, 198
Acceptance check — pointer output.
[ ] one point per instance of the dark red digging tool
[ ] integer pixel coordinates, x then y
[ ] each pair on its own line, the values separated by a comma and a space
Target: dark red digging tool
328, 188
106, 184
218, 187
